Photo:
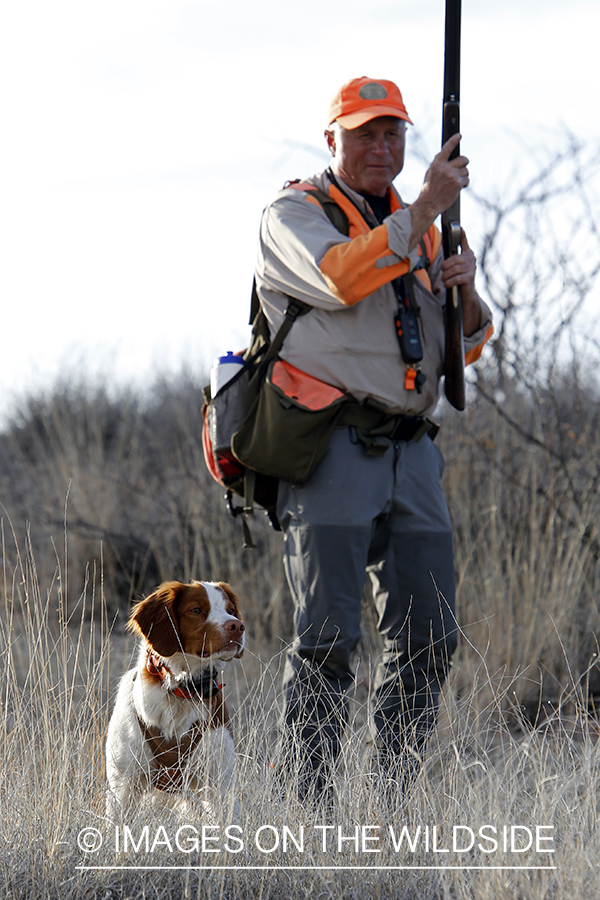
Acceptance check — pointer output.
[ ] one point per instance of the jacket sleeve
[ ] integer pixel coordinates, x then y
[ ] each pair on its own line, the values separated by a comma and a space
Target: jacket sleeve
304, 255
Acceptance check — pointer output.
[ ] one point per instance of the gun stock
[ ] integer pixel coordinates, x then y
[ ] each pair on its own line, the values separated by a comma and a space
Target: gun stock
454, 357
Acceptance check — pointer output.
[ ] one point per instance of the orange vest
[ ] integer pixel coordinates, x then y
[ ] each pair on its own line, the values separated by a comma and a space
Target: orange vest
352, 224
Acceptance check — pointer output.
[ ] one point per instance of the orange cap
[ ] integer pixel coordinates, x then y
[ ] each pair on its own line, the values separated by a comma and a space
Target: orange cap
362, 99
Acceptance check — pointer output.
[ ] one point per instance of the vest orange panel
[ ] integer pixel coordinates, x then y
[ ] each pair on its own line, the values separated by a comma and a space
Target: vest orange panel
306, 390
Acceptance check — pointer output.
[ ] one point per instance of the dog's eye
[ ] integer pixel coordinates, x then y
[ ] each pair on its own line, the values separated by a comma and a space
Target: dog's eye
197, 610
231, 611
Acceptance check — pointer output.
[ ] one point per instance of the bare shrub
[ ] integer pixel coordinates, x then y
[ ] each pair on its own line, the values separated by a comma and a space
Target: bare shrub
127, 475
523, 464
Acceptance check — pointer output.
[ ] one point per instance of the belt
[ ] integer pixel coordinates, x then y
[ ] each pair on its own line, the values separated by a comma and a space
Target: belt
413, 428
372, 423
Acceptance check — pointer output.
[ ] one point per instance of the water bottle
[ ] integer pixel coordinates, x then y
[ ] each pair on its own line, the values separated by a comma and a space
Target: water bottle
224, 368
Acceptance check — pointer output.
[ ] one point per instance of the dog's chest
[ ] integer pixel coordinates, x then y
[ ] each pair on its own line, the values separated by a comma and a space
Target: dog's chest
158, 708
171, 755
172, 730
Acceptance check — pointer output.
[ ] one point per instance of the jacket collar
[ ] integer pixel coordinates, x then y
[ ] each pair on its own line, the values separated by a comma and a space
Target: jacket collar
359, 201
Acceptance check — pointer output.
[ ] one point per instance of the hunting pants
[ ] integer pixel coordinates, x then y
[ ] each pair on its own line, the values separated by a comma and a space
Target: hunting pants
385, 516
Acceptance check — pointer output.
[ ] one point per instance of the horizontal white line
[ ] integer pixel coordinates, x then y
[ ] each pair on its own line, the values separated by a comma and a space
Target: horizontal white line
318, 868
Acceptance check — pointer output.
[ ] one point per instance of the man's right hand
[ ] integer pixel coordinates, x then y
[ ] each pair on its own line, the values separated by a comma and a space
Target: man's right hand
444, 180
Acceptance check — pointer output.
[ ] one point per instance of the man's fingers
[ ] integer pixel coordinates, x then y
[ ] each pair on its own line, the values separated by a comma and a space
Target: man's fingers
444, 179
449, 147
460, 269
446, 152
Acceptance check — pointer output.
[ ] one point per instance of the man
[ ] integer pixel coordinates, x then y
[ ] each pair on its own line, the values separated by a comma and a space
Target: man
375, 503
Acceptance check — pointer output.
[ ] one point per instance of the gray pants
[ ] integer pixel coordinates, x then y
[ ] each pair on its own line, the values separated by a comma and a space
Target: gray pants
385, 516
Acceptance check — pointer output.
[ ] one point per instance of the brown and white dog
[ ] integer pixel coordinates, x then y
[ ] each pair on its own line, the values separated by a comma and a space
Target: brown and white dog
170, 731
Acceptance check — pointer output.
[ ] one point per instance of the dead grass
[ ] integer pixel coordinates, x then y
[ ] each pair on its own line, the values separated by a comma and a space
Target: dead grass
104, 498
487, 766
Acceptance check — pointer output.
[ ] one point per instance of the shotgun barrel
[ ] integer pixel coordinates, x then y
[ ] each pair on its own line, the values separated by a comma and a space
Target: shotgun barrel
454, 356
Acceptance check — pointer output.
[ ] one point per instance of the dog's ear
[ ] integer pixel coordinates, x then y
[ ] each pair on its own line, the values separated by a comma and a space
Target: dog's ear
227, 589
156, 619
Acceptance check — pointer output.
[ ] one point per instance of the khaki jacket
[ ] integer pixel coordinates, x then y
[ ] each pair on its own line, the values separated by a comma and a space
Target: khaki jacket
348, 339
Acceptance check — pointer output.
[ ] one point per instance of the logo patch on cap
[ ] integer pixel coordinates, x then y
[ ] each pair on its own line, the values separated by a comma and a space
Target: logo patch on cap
373, 91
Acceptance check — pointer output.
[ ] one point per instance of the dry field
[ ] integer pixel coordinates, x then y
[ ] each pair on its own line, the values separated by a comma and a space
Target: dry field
496, 794
104, 493
102, 499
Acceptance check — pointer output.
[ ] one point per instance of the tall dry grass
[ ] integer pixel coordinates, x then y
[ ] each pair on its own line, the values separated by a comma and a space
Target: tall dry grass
480, 769
526, 510
105, 497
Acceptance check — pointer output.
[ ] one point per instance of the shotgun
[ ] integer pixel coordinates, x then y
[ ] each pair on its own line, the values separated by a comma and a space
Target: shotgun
454, 355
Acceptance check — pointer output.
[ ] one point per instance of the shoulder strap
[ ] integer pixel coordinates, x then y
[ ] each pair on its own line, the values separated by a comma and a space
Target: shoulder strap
425, 261
333, 210
336, 216
254, 304
294, 309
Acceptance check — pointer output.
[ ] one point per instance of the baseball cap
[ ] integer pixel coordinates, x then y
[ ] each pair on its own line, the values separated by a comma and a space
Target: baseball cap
362, 99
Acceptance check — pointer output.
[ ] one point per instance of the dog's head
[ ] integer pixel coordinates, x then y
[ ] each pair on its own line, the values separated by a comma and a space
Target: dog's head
199, 619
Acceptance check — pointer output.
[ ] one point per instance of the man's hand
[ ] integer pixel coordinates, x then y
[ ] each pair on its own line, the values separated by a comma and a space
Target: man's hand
459, 270
444, 179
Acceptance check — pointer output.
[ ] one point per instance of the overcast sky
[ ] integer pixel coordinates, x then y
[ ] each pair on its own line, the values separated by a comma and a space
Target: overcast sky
142, 138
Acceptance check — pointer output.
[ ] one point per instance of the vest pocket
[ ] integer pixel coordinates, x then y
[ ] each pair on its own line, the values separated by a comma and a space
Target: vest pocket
290, 424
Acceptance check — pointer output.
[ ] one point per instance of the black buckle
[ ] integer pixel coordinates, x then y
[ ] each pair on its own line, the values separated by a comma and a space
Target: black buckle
413, 428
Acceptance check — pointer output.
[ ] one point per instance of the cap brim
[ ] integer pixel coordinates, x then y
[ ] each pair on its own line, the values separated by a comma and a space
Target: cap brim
355, 120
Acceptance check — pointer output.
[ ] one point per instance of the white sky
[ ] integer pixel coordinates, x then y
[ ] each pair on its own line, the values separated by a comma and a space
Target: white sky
142, 138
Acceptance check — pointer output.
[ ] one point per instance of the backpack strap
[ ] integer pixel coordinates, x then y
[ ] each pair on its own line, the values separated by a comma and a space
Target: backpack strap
336, 216
254, 303
295, 308
425, 261
333, 210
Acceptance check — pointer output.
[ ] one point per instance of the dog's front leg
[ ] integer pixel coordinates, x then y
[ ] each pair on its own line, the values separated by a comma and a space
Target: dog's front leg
213, 765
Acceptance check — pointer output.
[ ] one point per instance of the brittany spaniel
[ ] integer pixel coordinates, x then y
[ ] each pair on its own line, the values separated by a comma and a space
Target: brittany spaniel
170, 730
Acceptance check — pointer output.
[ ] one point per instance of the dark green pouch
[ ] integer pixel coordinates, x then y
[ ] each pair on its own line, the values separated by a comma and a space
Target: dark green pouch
289, 425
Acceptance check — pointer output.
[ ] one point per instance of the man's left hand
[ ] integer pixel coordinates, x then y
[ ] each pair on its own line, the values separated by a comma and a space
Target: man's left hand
460, 271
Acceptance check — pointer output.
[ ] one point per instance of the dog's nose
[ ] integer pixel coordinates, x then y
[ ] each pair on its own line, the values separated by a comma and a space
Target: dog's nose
235, 626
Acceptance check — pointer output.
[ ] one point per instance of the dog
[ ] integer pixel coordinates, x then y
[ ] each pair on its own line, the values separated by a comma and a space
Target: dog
170, 735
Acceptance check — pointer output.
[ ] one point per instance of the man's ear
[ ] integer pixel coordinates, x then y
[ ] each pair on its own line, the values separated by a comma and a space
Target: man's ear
156, 619
330, 138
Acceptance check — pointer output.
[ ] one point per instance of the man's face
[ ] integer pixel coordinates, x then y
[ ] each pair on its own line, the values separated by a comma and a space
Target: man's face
368, 158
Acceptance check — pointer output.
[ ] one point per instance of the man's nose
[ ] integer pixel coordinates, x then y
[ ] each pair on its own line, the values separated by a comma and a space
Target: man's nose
381, 146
